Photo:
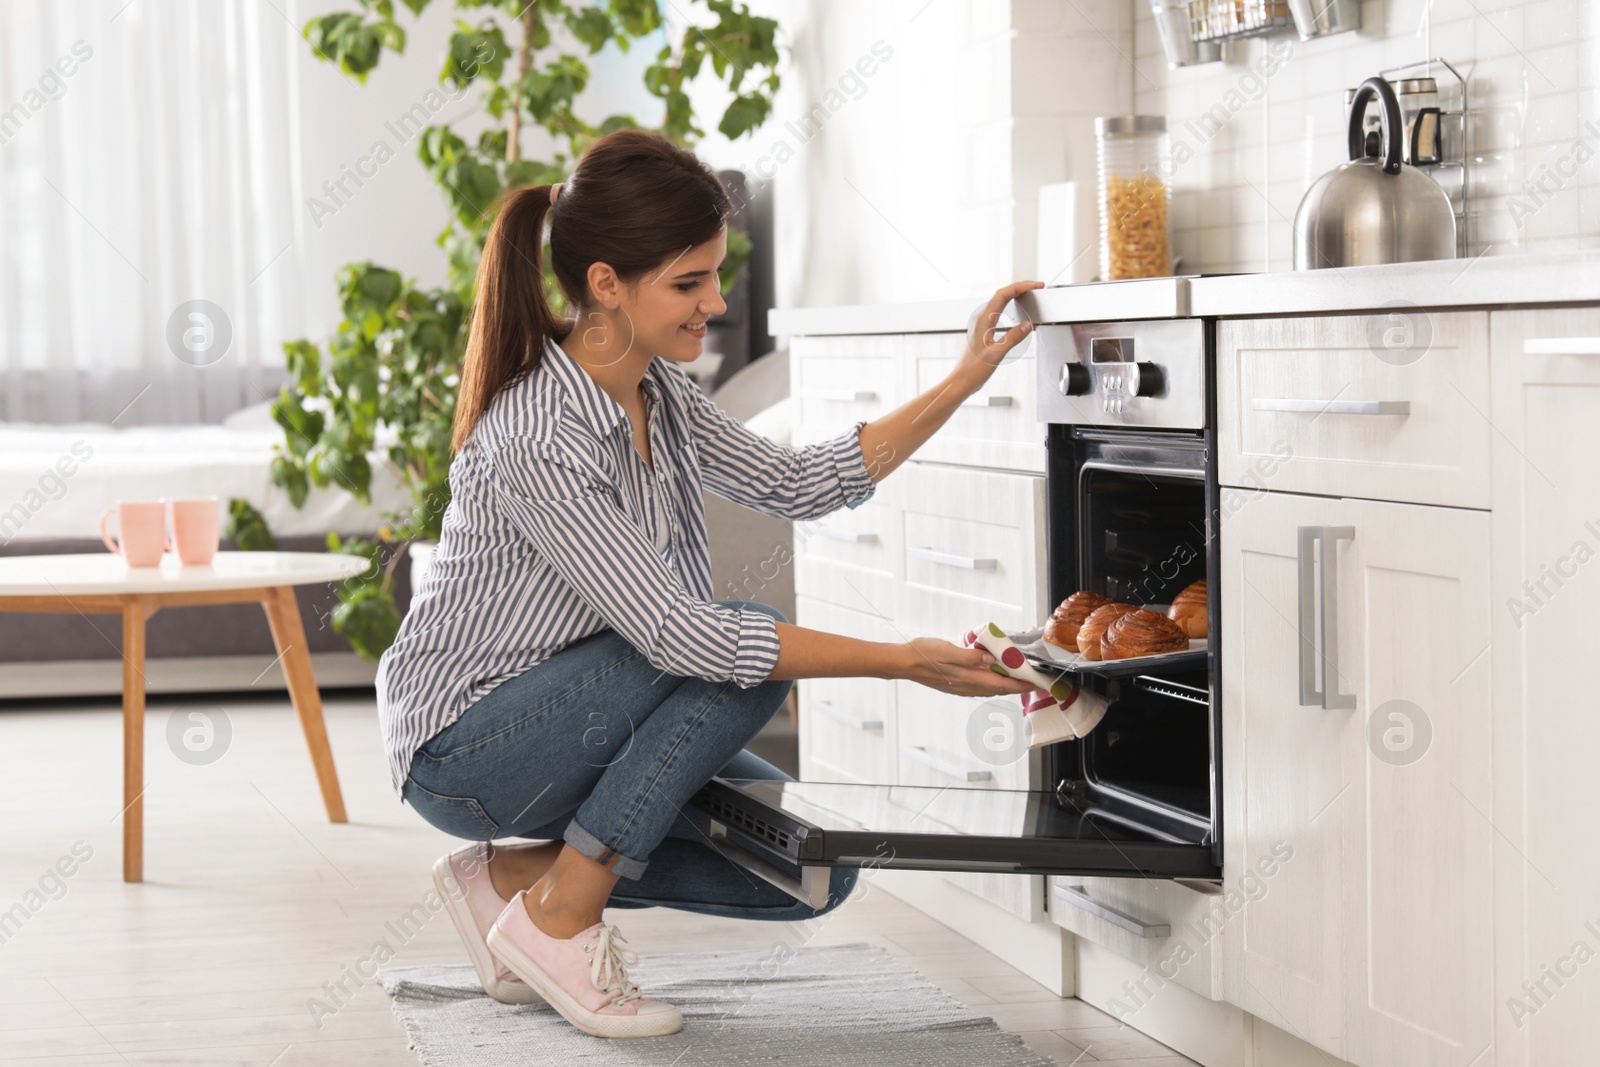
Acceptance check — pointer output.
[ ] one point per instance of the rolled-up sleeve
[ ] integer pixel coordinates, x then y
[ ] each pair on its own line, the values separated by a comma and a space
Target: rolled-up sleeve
791, 483
563, 504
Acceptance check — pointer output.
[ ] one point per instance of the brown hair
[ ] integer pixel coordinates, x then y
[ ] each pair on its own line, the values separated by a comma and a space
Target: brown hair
634, 201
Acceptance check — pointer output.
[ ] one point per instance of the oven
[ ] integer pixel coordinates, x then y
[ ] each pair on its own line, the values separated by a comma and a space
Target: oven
1128, 415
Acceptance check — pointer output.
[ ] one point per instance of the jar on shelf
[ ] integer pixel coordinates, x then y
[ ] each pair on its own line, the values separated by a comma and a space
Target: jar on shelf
1135, 239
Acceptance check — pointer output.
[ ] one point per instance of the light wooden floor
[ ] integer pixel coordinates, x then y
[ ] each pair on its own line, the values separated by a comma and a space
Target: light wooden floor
252, 901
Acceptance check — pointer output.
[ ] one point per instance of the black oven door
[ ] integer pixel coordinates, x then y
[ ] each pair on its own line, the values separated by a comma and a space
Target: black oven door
774, 827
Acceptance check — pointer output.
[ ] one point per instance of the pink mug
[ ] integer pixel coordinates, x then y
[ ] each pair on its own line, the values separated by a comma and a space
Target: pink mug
141, 529
196, 529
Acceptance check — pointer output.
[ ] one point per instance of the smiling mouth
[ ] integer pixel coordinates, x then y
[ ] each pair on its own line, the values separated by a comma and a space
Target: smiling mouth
697, 328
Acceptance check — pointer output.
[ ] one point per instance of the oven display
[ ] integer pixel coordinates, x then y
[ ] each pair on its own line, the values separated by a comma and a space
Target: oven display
1111, 350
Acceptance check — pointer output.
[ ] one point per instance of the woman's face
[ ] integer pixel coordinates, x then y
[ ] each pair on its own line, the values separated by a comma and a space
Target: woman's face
669, 306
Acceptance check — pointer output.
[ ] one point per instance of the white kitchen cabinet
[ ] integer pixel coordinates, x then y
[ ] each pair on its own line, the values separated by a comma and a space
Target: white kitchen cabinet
848, 724
836, 381
1285, 766
974, 552
1358, 827
1390, 406
996, 427
853, 557
939, 746
1166, 927
1546, 584
940, 548
974, 549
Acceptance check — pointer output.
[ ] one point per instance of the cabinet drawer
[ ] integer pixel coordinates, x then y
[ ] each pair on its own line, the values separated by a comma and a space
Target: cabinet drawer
973, 549
847, 725
1128, 915
852, 556
837, 381
997, 427
953, 740
1387, 406
969, 743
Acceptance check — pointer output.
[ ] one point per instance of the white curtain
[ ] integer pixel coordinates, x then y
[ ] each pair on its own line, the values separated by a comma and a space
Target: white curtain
147, 159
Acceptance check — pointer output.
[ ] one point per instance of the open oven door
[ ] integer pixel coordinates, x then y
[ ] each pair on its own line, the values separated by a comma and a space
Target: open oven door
771, 827
1133, 798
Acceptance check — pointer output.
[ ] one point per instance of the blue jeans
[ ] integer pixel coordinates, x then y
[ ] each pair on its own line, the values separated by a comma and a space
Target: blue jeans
597, 747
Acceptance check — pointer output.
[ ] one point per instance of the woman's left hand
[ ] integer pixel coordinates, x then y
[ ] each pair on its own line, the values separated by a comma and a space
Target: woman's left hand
983, 352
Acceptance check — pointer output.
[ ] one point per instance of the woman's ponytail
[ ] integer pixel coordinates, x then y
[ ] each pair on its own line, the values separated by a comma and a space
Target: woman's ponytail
634, 202
510, 316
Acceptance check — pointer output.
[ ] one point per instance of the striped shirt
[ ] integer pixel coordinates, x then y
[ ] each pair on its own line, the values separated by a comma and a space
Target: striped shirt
558, 529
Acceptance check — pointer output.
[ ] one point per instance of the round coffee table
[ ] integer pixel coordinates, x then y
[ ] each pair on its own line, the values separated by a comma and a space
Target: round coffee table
102, 584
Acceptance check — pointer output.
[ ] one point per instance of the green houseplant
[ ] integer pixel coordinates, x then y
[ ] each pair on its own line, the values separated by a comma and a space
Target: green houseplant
387, 380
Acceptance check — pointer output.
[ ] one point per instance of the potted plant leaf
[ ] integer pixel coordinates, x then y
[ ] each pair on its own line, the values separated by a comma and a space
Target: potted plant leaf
384, 385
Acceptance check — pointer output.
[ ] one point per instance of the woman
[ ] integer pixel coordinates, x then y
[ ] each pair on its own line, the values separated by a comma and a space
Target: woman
562, 674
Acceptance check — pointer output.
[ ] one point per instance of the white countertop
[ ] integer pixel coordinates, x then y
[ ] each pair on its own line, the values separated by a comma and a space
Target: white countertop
1487, 281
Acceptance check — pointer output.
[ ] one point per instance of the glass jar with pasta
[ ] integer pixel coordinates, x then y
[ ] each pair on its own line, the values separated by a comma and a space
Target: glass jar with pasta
1135, 236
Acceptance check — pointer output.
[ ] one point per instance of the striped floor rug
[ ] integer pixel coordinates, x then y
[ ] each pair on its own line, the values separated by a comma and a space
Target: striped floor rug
823, 1006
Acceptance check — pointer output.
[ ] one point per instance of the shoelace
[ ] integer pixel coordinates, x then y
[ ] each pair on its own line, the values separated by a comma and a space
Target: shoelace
609, 963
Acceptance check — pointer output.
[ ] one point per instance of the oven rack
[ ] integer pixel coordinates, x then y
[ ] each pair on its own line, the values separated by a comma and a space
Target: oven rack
1177, 690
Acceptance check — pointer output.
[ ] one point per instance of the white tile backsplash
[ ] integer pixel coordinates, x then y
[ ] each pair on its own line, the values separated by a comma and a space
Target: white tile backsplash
1531, 69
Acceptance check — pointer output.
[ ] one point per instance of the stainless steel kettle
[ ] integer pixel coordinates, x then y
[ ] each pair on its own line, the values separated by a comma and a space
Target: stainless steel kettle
1373, 209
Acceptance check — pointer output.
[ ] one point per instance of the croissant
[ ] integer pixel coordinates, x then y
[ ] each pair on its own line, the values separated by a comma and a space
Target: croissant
1141, 633
1067, 619
1188, 609
1095, 625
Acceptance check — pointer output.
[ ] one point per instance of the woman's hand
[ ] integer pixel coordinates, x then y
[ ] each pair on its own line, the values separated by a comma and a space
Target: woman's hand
951, 668
983, 352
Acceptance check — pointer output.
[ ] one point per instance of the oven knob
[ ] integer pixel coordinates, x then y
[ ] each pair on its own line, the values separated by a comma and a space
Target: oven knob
1074, 379
1148, 379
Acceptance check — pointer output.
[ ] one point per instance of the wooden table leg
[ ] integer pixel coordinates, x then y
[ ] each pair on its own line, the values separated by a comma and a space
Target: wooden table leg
133, 616
283, 615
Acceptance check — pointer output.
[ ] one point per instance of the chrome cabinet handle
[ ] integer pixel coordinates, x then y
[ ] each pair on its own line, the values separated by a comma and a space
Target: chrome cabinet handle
1561, 346
848, 395
852, 721
1310, 695
992, 401
1332, 699
950, 559
1327, 650
1334, 407
1079, 898
852, 536
944, 766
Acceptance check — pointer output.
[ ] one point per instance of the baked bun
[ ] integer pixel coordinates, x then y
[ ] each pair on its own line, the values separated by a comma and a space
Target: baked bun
1141, 633
1067, 619
1188, 609
1095, 625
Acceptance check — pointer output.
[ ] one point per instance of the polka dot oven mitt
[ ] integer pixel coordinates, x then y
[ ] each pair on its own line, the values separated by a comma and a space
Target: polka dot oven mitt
1058, 708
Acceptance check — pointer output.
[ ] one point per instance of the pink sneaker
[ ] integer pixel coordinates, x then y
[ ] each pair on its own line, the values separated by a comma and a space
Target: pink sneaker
585, 978
462, 879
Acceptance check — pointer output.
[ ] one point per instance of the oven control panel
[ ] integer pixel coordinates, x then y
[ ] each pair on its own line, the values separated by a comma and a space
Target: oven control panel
1149, 373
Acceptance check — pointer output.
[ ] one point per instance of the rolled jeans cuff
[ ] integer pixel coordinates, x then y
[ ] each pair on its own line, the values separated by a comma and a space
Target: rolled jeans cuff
602, 853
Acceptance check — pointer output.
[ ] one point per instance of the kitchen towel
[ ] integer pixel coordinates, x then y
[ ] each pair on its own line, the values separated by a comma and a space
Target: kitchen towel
1058, 708
813, 1006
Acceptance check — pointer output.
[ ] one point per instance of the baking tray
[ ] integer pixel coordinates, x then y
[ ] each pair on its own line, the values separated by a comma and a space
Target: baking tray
1037, 650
